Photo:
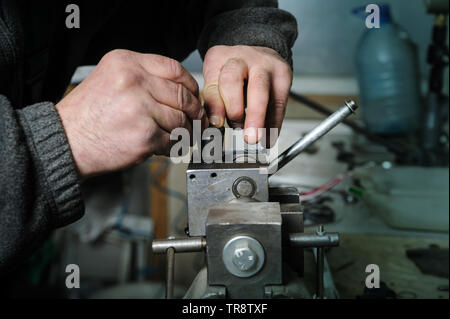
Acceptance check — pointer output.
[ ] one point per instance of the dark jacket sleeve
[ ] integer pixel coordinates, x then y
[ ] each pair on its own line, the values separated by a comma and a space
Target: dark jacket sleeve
39, 188
249, 22
176, 28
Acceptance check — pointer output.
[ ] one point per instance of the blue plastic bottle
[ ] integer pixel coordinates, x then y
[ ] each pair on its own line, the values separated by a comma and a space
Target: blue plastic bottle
388, 77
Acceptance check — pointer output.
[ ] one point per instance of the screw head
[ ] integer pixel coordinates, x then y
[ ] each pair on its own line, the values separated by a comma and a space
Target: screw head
244, 258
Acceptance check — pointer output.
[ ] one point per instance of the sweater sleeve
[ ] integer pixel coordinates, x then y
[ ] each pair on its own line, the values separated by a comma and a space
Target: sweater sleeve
39, 185
249, 22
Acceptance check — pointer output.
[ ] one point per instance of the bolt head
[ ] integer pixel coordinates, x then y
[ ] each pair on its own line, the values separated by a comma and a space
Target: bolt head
244, 259
244, 188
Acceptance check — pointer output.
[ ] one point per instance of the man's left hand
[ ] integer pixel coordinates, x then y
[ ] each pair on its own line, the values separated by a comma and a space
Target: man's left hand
239, 76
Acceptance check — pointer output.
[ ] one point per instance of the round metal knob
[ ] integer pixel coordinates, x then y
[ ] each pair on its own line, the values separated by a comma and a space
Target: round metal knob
244, 187
243, 256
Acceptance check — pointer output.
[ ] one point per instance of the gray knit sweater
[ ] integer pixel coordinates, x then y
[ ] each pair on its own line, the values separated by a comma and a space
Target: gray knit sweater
39, 185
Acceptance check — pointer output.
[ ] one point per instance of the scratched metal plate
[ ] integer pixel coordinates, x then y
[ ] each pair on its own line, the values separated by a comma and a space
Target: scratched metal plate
211, 184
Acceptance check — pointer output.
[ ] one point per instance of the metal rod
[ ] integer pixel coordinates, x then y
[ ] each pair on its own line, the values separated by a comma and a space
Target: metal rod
394, 148
309, 240
316, 133
181, 245
320, 256
170, 273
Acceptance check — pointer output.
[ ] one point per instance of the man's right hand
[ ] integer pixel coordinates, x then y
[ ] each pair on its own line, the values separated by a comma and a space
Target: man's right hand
124, 111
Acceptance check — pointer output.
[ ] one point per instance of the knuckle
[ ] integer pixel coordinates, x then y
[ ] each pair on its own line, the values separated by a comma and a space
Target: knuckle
116, 56
175, 67
215, 50
284, 71
125, 79
211, 93
235, 114
184, 97
230, 73
228, 76
200, 113
279, 103
181, 120
261, 78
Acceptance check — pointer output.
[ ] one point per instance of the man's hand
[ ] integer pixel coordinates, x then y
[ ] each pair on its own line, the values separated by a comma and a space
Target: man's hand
124, 111
257, 77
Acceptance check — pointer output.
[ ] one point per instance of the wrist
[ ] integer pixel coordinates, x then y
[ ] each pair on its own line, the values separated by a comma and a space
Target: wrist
78, 145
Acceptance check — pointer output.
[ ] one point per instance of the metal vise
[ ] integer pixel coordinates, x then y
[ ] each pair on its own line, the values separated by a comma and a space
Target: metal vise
252, 234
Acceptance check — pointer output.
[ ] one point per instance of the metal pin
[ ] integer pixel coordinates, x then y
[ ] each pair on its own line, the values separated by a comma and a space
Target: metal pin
170, 273
320, 264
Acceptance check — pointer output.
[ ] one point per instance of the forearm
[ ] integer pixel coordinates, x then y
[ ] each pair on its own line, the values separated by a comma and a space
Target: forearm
39, 188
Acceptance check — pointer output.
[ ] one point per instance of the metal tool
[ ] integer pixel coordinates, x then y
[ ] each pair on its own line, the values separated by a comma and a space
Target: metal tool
400, 150
316, 133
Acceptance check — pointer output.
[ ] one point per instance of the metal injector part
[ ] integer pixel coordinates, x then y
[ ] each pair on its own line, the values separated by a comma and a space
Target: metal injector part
312, 136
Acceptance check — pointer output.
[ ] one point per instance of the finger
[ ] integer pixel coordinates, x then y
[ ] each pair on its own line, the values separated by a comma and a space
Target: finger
231, 87
277, 109
214, 105
169, 69
176, 96
169, 118
258, 93
159, 140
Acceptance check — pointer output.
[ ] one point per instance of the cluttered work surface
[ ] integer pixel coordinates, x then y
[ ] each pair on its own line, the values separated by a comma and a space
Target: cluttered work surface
400, 276
377, 210
394, 217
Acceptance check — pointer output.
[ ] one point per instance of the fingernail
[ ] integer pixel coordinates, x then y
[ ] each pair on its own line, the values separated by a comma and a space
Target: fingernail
216, 121
252, 135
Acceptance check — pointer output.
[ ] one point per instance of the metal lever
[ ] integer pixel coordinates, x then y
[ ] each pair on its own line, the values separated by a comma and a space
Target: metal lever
319, 241
316, 133
170, 247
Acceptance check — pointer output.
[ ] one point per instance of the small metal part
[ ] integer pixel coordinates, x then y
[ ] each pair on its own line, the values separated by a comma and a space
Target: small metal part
170, 273
244, 187
316, 133
319, 262
243, 256
180, 245
310, 240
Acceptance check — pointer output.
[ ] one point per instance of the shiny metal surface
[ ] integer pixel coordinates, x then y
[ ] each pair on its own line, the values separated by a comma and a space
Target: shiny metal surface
316, 133
243, 256
260, 221
170, 273
209, 184
309, 240
180, 245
